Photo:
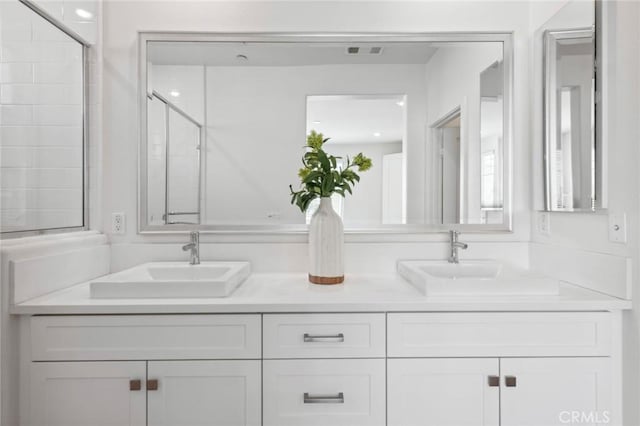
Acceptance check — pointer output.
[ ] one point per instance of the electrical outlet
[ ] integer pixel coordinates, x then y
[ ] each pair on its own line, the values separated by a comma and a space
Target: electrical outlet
618, 228
544, 223
117, 223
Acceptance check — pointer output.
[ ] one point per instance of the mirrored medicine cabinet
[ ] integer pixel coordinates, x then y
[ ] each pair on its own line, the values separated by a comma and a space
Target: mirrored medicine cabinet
224, 120
573, 149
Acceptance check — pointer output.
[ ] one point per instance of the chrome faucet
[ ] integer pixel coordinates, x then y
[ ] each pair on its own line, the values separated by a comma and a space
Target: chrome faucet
455, 245
194, 247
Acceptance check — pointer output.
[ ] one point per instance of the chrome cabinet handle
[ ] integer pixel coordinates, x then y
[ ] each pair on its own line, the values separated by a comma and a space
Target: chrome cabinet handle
324, 399
323, 337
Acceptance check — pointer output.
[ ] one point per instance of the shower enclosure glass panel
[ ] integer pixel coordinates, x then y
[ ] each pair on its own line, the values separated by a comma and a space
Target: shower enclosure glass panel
43, 175
174, 163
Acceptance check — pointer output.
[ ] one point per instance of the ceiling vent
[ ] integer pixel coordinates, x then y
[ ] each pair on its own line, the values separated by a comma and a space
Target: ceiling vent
356, 50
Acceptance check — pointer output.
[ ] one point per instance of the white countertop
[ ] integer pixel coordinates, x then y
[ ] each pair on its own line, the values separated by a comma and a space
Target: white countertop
286, 292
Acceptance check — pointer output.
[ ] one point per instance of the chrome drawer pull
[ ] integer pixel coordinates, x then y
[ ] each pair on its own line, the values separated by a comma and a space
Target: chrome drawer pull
324, 399
323, 337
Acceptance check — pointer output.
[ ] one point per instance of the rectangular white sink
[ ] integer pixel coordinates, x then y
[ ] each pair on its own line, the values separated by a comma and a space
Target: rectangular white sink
474, 277
172, 280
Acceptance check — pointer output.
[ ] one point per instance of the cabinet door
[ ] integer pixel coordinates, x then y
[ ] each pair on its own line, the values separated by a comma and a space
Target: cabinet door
443, 392
555, 391
88, 393
199, 393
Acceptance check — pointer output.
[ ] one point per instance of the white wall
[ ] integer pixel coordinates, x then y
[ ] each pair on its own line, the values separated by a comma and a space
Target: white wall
125, 18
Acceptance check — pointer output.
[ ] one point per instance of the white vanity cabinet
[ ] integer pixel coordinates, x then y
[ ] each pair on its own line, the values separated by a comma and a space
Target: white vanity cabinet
324, 369
138, 393
87, 393
191, 393
473, 392
137, 386
488, 377
318, 369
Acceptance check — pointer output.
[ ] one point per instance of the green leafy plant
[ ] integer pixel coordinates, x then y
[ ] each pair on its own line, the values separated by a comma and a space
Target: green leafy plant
320, 175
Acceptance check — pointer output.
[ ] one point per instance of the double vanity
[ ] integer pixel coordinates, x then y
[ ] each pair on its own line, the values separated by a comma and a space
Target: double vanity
169, 343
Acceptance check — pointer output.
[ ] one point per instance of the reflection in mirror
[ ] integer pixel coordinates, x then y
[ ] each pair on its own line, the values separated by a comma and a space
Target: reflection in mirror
465, 160
447, 132
570, 88
226, 124
175, 105
491, 140
373, 124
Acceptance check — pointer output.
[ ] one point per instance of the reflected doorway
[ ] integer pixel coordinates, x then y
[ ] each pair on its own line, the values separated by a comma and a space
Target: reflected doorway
448, 142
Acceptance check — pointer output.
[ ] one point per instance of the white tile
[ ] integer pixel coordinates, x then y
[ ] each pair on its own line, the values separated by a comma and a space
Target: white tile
42, 51
16, 31
17, 94
47, 72
36, 199
41, 178
19, 220
45, 31
59, 115
16, 73
41, 136
59, 94
14, 220
52, 7
41, 94
40, 157
16, 115
12, 12
19, 52
60, 52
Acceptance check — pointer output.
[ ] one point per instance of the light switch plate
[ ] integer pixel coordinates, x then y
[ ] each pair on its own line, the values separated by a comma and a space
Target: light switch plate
618, 227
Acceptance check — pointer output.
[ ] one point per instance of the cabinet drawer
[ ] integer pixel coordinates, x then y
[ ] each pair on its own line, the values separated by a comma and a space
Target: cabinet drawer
133, 337
499, 334
324, 336
324, 392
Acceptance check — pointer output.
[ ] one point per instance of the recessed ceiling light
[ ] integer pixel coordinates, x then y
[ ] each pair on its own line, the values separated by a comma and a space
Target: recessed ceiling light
400, 103
84, 14
316, 122
174, 93
377, 134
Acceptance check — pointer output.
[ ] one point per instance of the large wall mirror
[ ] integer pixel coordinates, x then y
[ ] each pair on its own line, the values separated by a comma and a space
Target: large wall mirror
225, 119
572, 155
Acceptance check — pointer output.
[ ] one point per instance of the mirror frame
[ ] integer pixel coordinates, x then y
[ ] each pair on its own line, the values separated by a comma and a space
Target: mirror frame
506, 38
549, 43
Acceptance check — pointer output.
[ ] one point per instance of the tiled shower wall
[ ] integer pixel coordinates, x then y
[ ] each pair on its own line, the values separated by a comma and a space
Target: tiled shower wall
41, 118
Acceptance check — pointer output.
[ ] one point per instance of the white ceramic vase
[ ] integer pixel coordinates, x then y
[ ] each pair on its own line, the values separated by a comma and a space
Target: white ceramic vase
326, 245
